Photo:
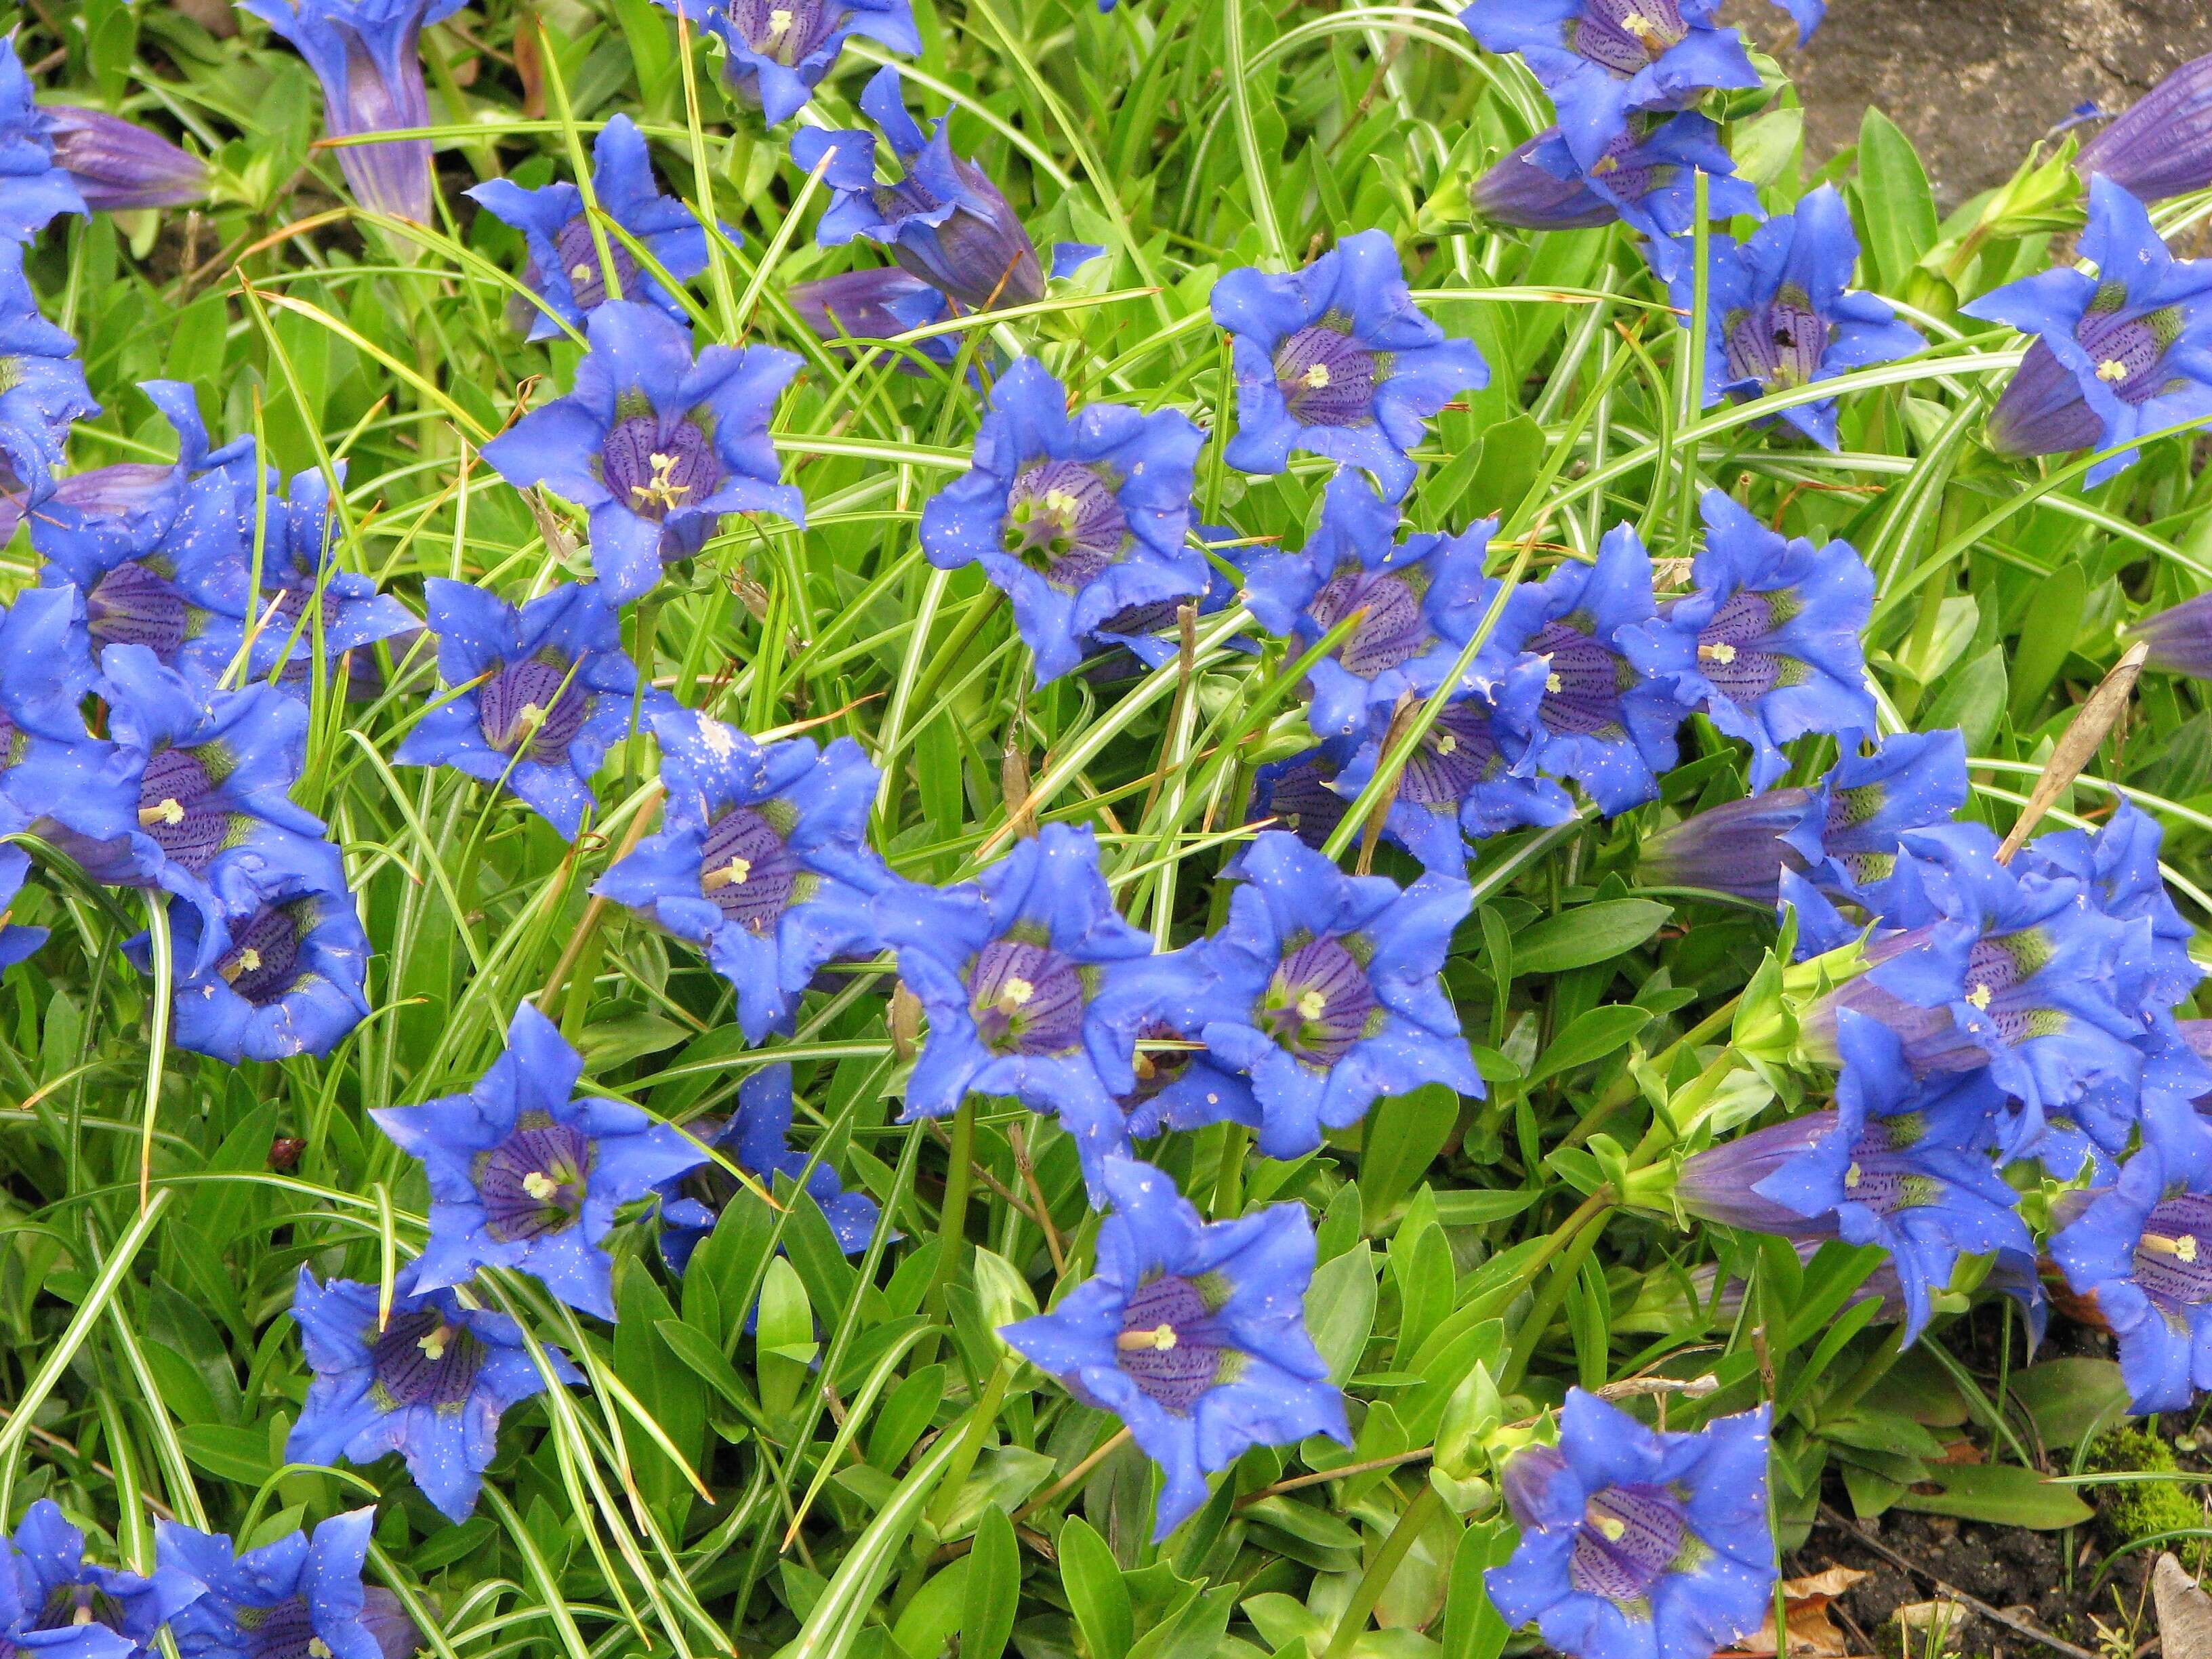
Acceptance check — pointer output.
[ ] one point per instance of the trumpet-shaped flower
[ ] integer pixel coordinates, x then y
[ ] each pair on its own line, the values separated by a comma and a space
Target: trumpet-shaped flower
1192, 1333
540, 694
1636, 1543
42, 389
68, 1607
763, 859
1336, 361
1783, 313
1325, 992
36, 188
657, 445
117, 166
300, 1594
778, 50
879, 303
525, 1175
565, 271
2180, 637
2162, 146
1767, 645
1075, 519
429, 1382
367, 54
2125, 352
1300, 793
2119, 862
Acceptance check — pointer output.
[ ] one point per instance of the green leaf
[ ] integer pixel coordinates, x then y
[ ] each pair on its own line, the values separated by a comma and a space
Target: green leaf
1096, 1592
1594, 1034
2002, 1494
1401, 1138
1897, 208
2071, 1398
1340, 1310
1972, 699
1471, 1206
1585, 934
2047, 633
227, 1451
994, 1589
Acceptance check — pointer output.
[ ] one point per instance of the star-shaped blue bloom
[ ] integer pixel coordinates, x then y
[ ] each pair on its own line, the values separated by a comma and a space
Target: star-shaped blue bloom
1845, 847
1766, 645
2117, 354
289, 980
763, 859
1601, 721
1325, 992
2142, 1247
1192, 1333
66, 1607
33, 188
1335, 360
1075, 519
564, 269
1636, 1543
1602, 59
367, 54
540, 694
776, 54
44, 394
285, 1597
429, 1383
1782, 314
756, 1138
657, 446
525, 1175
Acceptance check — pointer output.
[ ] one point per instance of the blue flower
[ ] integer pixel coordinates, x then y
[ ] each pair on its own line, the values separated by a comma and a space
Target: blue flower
1767, 645
2162, 146
67, 1604
1846, 846
1301, 794
284, 1597
1075, 519
1636, 1543
33, 190
1192, 1333
1646, 178
656, 446
2117, 354
1905, 1167
778, 53
1336, 361
880, 303
1149, 635
1325, 991
758, 1139
367, 54
2118, 863
564, 268
2143, 1248
2180, 636
42, 389
541, 692
1024, 975
428, 1383
117, 166
1781, 312
524, 1174
1600, 721
763, 859
1602, 59
290, 980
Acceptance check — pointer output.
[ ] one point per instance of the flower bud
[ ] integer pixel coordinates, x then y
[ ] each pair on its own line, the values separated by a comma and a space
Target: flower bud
2162, 146
118, 164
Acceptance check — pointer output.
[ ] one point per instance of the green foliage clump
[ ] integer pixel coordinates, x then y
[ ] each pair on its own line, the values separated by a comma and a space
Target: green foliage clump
2130, 1511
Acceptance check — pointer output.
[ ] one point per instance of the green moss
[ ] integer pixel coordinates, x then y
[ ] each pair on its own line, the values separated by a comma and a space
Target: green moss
2146, 1508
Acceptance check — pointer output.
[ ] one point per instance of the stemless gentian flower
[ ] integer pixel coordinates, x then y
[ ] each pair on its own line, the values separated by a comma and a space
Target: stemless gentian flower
1904, 1166
878, 304
525, 1175
1646, 178
763, 859
1845, 849
1783, 313
2119, 863
2142, 1248
656, 446
542, 694
2162, 146
33, 188
1600, 722
758, 1139
367, 54
62, 1595
1193, 1333
1075, 519
428, 1383
777, 53
1636, 1543
119, 166
1325, 991
289, 981
942, 220
300, 1594
1600, 59
1767, 645
1336, 361
1023, 974
42, 389
564, 270
2118, 355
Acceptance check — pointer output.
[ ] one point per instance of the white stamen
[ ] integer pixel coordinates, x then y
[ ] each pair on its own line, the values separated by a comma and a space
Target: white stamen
247, 961
1159, 1339
1979, 996
736, 873
1312, 1004
780, 20
170, 811
2111, 371
579, 273
661, 489
1316, 376
1852, 1176
1015, 994
1447, 745
1720, 652
540, 1185
433, 1345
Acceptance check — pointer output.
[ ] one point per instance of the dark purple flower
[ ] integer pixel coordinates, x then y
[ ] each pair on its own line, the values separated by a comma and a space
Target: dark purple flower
2180, 637
880, 303
119, 166
2119, 863
1300, 793
2162, 146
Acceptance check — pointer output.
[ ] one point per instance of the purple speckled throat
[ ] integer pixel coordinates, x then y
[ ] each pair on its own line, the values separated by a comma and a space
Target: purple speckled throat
527, 703
784, 31
1064, 521
655, 463
1778, 344
2128, 350
1026, 998
178, 807
747, 869
1326, 377
263, 958
579, 261
2173, 1261
421, 1360
1630, 1538
1318, 1003
1626, 36
532, 1184
1394, 631
1170, 1345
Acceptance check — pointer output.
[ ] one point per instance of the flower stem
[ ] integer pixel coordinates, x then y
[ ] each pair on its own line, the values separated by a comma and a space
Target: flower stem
1376, 1579
1583, 1228
1624, 1091
953, 1214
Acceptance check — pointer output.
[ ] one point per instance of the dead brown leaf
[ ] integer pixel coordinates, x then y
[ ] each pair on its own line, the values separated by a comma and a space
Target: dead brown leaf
2184, 1611
1811, 1632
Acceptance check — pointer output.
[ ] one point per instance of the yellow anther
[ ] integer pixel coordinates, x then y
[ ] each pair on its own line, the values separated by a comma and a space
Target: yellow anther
1158, 1340
1015, 994
579, 273
1642, 27
540, 1185
1979, 996
170, 811
1551, 683
662, 489
1613, 1527
1606, 164
1447, 744
1060, 503
318, 1648
1312, 1004
2183, 1249
247, 961
1852, 1176
1719, 651
780, 20
2111, 371
434, 1344
1317, 377
735, 874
